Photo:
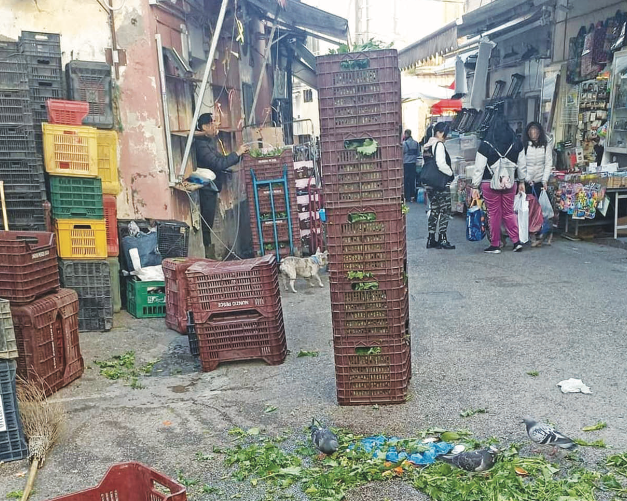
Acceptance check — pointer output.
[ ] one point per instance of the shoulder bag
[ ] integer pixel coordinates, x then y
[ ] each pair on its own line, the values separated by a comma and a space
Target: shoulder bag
431, 176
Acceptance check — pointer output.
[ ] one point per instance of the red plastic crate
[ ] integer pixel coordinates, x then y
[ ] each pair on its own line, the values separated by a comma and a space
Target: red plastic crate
269, 167
131, 482
66, 112
369, 372
28, 265
245, 336
111, 217
335, 148
232, 286
363, 112
176, 291
47, 337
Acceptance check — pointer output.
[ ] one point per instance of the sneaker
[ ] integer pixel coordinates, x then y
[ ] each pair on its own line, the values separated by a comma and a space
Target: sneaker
492, 250
518, 247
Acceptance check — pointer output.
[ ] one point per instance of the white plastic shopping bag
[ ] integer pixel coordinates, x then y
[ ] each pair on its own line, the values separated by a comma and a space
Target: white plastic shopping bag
521, 208
547, 207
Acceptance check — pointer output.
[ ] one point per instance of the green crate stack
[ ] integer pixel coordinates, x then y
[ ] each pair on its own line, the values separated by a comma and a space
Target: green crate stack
76, 197
145, 299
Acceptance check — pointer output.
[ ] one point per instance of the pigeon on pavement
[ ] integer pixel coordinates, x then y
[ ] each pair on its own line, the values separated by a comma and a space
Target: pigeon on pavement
323, 438
472, 460
545, 434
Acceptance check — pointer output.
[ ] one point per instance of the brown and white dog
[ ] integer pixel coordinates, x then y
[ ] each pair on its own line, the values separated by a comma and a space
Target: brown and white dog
304, 267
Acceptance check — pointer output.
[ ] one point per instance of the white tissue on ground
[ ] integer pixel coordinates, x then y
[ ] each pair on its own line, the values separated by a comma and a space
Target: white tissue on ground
574, 386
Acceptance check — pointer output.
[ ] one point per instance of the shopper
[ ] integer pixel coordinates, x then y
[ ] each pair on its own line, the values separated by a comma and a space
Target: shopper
411, 152
501, 146
208, 157
440, 211
539, 159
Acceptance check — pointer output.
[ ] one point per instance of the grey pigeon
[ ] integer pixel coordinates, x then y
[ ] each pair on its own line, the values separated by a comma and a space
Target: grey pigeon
545, 434
472, 460
323, 438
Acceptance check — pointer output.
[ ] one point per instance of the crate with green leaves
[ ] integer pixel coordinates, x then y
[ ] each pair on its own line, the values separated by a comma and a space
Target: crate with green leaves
145, 299
76, 197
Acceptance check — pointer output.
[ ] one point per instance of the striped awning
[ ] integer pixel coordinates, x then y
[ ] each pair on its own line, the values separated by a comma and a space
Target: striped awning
439, 42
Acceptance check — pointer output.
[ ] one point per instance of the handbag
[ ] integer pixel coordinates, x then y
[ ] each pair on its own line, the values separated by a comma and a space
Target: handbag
502, 171
475, 222
433, 177
521, 208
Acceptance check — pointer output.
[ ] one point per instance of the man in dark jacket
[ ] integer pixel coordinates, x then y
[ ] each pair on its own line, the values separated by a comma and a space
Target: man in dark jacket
209, 157
411, 152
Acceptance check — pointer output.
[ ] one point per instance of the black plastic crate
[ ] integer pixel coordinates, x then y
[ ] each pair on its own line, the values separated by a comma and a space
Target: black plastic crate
16, 141
15, 107
25, 210
92, 282
8, 49
23, 176
91, 81
44, 68
40, 44
14, 71
12, 441
173, 237
192, 337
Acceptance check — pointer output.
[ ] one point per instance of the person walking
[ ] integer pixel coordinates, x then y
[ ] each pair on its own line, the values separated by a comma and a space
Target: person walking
539, 159
411, 152
440, 208
500, 148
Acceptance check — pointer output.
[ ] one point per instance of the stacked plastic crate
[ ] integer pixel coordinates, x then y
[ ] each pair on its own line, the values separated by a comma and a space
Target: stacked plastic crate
45, 318
273, 212
362, 173
237, 314
21, 167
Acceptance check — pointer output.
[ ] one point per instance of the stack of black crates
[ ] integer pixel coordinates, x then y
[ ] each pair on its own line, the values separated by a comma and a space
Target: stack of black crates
30, 74
362, 173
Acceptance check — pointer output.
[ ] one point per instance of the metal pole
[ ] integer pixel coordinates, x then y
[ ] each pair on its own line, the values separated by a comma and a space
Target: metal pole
203, 86
251, 118
166, 111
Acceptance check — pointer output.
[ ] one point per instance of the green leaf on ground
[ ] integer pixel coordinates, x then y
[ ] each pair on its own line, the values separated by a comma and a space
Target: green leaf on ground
15, 495
269, 408
599, 426
472, 412
533, 373
303, 353
597, 443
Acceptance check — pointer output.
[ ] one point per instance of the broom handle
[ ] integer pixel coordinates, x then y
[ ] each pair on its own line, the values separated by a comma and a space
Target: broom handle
31, 479
4, 207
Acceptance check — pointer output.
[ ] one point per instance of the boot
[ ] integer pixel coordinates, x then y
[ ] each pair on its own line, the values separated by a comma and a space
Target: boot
443, 243
432, 243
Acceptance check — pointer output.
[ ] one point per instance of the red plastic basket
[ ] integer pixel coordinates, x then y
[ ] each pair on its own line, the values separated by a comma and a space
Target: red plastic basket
269, 167
47, 336
111, 217
233, 286
66, 112
245, 336
369, 372
131, 482
28, 265
176, 291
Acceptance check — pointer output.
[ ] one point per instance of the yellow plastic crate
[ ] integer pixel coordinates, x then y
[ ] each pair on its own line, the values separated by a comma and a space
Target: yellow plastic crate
108, 161
81, 238
70, 150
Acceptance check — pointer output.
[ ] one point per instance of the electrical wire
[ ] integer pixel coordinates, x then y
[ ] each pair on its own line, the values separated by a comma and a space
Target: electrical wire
111, 9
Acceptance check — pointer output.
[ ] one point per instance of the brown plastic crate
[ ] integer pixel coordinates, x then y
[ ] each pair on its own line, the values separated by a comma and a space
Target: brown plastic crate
130, 482
47, 338
269, 167
363, 112
332, 64
176, 292
245, 336
28, 265
335, 148
369, 372
231, 286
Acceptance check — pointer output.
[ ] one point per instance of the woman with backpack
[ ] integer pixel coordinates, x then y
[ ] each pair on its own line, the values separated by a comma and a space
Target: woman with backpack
539, 160
440, 209
500, 172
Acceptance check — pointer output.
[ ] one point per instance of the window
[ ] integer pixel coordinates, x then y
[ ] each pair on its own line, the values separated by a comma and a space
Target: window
308, 95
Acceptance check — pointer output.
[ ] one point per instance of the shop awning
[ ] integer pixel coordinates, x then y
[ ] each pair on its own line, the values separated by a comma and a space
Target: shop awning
439, 42
315, 22
446, 105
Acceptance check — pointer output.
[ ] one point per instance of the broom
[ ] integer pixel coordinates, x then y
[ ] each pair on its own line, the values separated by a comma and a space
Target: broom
42, 421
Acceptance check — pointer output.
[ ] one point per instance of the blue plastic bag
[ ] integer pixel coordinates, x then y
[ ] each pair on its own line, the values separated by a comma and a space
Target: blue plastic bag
475, 222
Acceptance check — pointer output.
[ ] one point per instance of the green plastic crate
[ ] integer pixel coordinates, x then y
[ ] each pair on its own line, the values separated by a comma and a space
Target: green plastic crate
116, 295
76, 197
145, 299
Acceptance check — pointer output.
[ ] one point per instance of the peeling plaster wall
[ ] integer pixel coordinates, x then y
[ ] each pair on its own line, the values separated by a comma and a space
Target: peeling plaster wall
85, 34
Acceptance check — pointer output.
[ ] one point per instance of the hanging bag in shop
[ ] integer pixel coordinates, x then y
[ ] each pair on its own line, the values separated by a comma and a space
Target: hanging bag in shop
431, 176
503, 171
475, 221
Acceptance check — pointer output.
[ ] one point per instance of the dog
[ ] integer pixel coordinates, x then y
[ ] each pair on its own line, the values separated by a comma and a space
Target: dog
304, 267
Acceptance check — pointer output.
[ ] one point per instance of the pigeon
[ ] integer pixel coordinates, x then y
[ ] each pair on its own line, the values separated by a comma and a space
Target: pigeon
545, 434
323, 438
472, 460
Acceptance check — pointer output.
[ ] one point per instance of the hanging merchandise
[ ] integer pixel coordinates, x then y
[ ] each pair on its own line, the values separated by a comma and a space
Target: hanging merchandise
576, 48
599, 55
588, 68
594, 98
580, 200
620, 27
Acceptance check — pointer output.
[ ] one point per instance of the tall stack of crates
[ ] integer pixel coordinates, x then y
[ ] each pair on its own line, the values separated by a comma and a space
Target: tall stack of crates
273, 213
82, 165
237, 312
362, 174
44, 317
21, 167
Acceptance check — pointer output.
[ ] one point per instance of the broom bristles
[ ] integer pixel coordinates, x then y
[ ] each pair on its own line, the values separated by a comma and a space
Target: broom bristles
42, 420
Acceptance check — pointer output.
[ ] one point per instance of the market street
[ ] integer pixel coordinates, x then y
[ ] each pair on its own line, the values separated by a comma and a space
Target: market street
479, 324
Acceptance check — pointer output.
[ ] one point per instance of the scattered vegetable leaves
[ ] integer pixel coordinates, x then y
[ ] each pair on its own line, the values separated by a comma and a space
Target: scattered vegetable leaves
362, 217
404, 209
269, 408
472, 412
359, 275
533, 373
15, 495
276, 152
599, 426
123, 367
365, 286
303, 353
597, 443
